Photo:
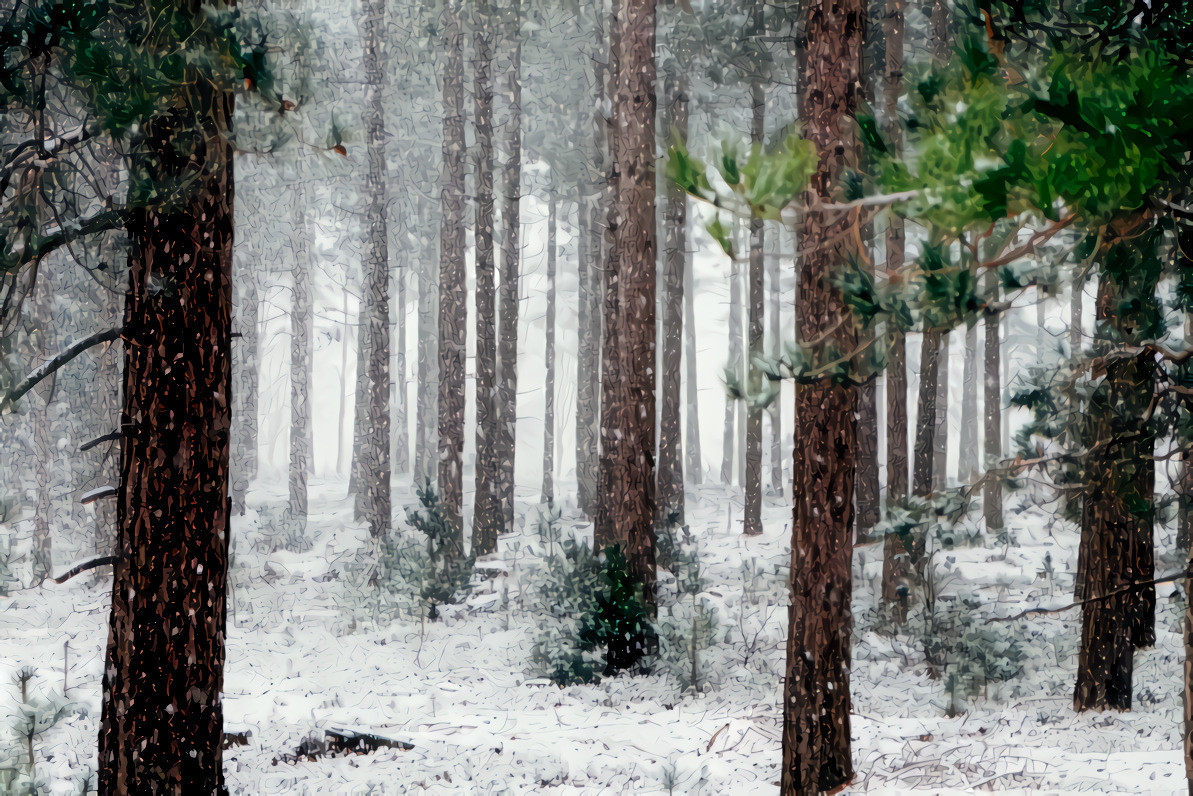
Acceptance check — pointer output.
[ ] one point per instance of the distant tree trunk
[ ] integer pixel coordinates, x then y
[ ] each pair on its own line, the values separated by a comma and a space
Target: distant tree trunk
967, 444
588, 359
486, 516
360, 410
453, 308
694, 465
733, 428
894, 566
816, 715
752, 516
671, 473
992, 400
1118, 500
940, 432
247, 307
426, 423
628, 425
342, 420
301, 336
511, 267
548, 495
161, 729
775, 411
925, 424
401, 426
1184, 484
1076, 299
46, 341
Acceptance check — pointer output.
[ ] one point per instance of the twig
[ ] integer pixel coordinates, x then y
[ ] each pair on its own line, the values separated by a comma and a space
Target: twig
708, 748
1100, 598
86, 565
52, 365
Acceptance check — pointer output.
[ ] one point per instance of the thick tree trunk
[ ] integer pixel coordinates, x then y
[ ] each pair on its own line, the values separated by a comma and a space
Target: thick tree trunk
375, 473
453, 308
1118, 501
992, 406
548, 493
671, 473
628, 423
486, 515
816, 720
511, 267
301, 337
162, 723
752, 517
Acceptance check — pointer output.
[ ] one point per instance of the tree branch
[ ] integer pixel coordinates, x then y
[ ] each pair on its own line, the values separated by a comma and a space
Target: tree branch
54, 364
51, 147
1098, 599
100, 222
94, 563
1035, 240
109, 437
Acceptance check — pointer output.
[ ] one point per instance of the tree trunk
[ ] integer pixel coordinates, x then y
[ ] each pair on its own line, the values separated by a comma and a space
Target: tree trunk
940, 432
926, 423
992, 406
342, 420
162, 722
671, 473
694, 465
967, 444
894, 566
816, 720
1118, 500
301, 335
1184, 483
733, 428
549, 387
453, 308
375, 474
426, 423
1188, 673
511, 266
248, 305
752, 516
401, 426
486, 515
628, 424
775, 411
44, 324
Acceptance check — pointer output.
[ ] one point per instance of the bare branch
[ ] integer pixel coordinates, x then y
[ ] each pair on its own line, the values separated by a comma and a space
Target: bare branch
1098, 599
94, 563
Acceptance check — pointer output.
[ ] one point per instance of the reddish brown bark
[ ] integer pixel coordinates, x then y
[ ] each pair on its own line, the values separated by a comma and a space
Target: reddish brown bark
816, 752
628, 416
161, 728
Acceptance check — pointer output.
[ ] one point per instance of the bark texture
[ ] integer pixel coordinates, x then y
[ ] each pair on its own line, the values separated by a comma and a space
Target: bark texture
453, 308
752, 517
816, 751
628, 422
671, 471
992, 412
486, 515
161, 729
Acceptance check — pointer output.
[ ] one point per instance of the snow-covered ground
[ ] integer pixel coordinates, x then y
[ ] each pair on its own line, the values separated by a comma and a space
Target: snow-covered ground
308, 651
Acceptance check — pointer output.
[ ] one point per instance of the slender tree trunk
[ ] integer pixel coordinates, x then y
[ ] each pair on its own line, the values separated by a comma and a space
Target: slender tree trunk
1076, 310
940, 431
752, 517
925, 424
967, 444
671, 474
44, 322
628, 425
694, 465
733, 428
161, 729
453, 309
775, 411
992, 405
549, 386
426, 424
816, 720
247, 307
360, 410
1188, 678
894, 566
511, 266
588, 356
486, 516
1184, 485
301, 334
401, 426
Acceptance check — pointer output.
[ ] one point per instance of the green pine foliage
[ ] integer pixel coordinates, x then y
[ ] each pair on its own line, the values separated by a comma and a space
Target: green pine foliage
446, 572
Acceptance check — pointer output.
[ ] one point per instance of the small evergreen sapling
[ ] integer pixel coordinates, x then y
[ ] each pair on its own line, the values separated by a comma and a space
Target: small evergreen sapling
447, 574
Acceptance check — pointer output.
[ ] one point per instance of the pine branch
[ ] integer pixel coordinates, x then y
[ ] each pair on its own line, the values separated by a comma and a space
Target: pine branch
54, 364
51, 147
102, 221
109, 437
94, 563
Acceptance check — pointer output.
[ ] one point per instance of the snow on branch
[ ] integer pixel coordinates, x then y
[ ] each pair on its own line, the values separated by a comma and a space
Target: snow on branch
54, 364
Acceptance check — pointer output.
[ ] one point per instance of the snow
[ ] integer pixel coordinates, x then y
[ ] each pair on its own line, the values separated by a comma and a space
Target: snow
308, 651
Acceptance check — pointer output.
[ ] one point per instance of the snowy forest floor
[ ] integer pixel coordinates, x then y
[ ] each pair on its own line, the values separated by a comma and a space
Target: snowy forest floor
309, 651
